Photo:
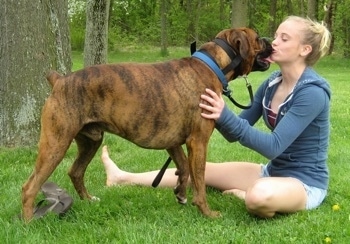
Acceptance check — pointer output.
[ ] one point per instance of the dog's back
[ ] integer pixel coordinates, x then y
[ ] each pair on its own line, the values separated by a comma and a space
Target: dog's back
152, 105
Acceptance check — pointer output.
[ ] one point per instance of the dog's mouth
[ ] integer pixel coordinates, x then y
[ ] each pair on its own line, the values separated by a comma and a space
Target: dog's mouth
262, 60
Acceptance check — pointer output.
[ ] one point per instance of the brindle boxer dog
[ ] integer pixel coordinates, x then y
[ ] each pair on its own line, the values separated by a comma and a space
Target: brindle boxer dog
152, 105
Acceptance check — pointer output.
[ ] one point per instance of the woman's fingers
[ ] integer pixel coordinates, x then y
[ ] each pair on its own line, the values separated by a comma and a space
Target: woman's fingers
213, 109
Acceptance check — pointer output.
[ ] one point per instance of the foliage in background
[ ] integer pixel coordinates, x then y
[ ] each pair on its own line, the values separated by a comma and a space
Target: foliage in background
77, 18
135, 22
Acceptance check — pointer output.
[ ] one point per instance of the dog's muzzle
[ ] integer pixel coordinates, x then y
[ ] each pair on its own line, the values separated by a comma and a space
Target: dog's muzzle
261, 63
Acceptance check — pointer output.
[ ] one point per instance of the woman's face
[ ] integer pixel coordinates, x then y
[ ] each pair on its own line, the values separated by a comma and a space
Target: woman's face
287, 47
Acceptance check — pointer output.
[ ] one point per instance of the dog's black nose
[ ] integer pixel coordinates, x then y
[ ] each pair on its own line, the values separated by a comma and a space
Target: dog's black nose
268, 47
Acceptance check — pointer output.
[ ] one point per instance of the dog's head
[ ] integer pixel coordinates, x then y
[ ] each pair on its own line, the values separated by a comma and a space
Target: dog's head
253, 49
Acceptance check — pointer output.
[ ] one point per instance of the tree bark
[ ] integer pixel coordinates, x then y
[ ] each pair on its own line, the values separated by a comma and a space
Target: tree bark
222, 14
239, 16
272, 20
164, 33
34, 39
193, 10
290, 7
329, 21
311, 9
96, 35
301, 8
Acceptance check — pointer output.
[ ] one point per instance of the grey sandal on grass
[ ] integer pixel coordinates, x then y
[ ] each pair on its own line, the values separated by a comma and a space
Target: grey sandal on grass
52, 190
57, 199
58, 206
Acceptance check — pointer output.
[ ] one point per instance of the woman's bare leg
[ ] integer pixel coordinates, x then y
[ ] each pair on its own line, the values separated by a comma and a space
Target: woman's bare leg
116, 176
222, 176
263, 196
275, 194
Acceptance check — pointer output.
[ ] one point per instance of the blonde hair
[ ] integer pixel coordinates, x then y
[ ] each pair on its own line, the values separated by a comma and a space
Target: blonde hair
316, 35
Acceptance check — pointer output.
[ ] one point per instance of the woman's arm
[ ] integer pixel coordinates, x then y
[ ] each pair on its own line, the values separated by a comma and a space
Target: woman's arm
307, 104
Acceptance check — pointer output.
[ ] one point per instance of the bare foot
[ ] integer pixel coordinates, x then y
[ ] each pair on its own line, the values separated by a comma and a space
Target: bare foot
114, 174
238, 193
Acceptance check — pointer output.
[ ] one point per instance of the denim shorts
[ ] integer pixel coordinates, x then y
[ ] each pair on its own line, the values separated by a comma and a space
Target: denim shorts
315, 196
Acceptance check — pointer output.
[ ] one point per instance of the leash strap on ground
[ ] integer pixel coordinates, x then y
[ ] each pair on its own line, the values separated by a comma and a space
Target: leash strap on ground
160, 175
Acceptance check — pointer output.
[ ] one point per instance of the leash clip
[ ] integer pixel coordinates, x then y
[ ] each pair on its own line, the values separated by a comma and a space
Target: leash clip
247, 83
226, 91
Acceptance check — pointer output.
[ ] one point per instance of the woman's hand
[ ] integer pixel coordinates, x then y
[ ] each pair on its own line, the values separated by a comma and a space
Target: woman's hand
214, 106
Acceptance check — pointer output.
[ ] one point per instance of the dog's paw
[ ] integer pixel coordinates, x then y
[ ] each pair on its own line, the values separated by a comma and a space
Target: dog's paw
214, 214
181, 200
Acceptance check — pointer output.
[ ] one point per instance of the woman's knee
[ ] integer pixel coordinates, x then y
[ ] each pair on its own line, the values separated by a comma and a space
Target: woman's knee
258, 197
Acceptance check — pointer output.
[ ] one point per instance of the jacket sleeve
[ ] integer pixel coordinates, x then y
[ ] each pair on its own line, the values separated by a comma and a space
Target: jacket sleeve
307, 104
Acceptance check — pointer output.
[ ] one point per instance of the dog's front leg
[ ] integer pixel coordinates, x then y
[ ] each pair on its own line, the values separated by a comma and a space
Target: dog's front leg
197, 151
180, 159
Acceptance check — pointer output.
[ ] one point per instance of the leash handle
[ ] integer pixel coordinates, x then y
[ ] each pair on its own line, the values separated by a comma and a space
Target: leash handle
160, 175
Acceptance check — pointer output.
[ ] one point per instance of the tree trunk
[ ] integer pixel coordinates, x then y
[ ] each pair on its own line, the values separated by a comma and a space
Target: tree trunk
311, 9
290, 7
222, 15
239, 16
34, 39
301, 8
272, 20
164, 33
329, 21
96, 35
193, 10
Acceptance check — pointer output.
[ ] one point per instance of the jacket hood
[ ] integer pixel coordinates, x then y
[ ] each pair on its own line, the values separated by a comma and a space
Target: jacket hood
309, 77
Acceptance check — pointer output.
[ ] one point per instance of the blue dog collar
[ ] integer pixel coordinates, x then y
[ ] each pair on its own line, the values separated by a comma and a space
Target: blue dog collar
212, 64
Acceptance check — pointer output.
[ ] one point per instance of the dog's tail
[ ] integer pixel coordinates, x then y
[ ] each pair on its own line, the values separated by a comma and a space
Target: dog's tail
52, 76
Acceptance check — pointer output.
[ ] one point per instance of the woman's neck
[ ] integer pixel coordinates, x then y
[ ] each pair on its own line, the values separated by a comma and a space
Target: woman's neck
291, 74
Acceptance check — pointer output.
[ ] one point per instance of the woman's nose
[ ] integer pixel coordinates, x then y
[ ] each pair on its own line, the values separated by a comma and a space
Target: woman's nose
274, 42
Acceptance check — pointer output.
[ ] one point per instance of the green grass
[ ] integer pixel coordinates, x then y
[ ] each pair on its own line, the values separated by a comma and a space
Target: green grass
127, 214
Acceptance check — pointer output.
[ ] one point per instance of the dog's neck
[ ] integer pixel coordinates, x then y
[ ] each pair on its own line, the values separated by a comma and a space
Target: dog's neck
210, 61
236, 59
220, 72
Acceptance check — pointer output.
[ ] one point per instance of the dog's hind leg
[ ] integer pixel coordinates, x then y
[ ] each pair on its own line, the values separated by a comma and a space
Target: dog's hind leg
87, 144
180, 159
51, 152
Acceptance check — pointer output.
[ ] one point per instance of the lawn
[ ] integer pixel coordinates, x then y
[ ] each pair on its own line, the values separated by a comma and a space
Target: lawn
132, 214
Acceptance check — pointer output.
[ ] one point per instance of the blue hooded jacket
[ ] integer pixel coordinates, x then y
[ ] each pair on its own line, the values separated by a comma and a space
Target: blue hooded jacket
298, 145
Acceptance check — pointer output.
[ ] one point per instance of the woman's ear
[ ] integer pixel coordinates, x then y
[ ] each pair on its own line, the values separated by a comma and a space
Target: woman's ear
306, 50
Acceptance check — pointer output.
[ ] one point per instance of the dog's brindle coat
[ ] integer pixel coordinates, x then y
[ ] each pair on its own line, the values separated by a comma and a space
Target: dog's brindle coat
152, 105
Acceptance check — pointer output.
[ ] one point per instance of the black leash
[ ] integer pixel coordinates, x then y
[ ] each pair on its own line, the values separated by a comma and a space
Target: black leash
161, 173
227, 92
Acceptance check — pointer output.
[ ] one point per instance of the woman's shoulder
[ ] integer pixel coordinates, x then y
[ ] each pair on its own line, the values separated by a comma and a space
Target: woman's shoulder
310, 75
311, 79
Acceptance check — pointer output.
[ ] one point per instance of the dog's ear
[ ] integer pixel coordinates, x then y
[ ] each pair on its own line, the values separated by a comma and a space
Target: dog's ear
241, 39
243, 43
